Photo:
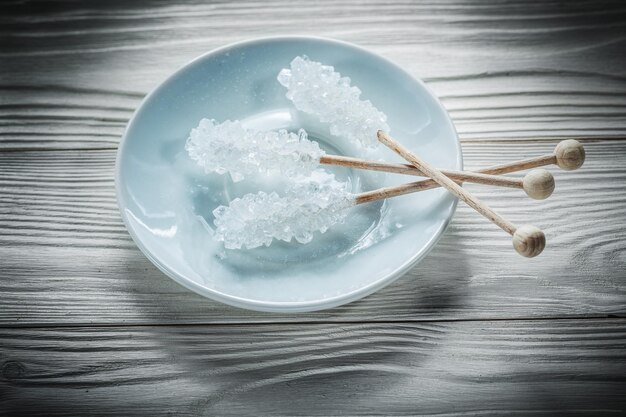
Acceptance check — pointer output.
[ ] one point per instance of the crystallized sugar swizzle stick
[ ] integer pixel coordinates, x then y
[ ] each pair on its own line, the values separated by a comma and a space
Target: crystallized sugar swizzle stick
528, 240
315, 205
318, 89
311, 204
229, 147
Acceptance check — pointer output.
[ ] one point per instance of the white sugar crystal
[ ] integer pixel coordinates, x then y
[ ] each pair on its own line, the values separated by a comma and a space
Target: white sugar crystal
312, 204
229, 147
320, 90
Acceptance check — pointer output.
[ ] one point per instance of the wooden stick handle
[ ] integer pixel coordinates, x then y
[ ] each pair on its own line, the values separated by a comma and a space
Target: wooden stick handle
394, 191
538, 184
522, 165
446, 182
568, 147
530, 244
463, 176
568, 155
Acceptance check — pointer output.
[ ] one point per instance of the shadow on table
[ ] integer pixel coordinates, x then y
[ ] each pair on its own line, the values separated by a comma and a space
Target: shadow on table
336, 353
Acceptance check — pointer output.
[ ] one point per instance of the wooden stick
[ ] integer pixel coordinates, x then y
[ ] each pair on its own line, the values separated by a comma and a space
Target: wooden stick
568, 155
394, 191
464, 176
532, 185
538, 185
528, 241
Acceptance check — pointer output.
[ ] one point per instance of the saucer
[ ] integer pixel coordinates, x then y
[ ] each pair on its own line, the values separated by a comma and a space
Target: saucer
167, 201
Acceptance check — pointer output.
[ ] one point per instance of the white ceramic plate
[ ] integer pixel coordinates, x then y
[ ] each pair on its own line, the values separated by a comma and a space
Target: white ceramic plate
166, 201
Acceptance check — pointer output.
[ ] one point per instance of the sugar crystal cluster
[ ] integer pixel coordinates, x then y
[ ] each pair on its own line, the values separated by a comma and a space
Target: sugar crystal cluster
320, 90
313, 200
229, 147
311, 204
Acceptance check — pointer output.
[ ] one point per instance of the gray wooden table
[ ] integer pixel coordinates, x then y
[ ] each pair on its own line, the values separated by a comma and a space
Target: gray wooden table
89, 327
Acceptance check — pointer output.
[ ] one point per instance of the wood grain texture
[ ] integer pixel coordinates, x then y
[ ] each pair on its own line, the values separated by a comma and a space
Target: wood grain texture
72, 75
532, 367
66, 257
88, 326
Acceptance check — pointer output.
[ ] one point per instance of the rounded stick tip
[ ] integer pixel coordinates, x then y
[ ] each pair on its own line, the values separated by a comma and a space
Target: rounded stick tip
570, 154
538, 184
529, 241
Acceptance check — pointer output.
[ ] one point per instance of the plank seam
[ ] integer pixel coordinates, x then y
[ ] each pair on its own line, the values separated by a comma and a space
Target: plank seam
608, 317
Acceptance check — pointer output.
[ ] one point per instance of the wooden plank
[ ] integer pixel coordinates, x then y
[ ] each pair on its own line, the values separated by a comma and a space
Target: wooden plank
454, 369
515, 76
66, 258
46, 117
503, 69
